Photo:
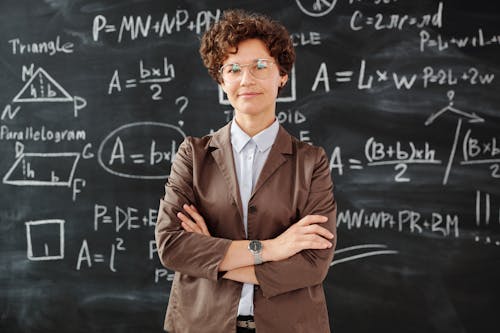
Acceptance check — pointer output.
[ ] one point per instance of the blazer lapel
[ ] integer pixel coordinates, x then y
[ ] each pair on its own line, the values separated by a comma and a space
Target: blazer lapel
282, 146
223, 156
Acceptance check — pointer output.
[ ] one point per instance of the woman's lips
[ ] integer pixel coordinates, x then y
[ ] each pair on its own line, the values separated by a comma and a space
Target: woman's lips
248, 94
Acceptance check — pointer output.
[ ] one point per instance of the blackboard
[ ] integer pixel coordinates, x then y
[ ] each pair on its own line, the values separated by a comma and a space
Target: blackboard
96, 97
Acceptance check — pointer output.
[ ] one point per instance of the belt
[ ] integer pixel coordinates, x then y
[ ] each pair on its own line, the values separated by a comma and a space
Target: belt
245, 322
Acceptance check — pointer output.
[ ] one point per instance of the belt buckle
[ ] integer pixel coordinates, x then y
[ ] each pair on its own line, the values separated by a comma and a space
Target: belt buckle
246, 324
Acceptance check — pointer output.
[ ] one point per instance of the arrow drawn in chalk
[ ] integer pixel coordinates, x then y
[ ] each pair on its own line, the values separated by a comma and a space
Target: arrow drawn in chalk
472, 117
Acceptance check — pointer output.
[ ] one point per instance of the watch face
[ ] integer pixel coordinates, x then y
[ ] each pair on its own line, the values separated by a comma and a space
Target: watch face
255, 246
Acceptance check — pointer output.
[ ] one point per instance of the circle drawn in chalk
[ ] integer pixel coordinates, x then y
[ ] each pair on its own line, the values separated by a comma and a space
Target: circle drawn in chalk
134, 150
316, 7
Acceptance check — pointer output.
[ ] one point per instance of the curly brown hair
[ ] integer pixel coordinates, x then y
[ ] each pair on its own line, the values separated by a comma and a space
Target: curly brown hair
239, 25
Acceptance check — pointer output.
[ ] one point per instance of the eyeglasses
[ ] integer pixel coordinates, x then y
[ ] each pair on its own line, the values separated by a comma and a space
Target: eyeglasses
260, 69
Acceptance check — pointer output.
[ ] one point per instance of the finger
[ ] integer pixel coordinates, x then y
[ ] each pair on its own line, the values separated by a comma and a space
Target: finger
186, 227
184, 219
194, 213
200, 221
317, 229
193, 226
199, 228
310, 219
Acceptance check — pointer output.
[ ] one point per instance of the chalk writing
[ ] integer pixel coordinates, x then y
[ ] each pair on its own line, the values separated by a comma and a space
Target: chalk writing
126, 218
89, 258
42, 169
382, 21
41, 87
125, 147
41, 134
445, 225
135, 27
152, 76
51, 47
440, 43
45, 240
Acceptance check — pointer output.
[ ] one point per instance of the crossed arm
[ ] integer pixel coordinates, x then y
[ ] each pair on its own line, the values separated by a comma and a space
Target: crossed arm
297, 258
238, 262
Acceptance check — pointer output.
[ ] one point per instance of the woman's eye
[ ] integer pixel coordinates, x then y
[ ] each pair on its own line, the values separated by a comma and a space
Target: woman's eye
261, 64
235, 68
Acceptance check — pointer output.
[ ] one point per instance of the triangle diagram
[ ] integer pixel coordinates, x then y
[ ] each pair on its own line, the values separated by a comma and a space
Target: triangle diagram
41, 87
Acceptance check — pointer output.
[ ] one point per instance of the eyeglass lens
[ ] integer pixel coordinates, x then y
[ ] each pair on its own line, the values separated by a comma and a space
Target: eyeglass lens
260, 69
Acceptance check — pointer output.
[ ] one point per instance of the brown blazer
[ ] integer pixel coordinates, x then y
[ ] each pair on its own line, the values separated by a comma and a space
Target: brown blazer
295, 181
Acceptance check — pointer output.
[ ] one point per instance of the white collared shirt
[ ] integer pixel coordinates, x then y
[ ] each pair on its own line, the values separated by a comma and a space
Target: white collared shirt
250, 154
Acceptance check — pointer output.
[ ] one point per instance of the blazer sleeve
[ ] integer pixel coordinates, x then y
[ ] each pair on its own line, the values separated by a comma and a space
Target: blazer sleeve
308, 267
189, 253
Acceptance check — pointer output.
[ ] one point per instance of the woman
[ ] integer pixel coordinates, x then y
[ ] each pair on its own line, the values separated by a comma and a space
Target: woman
248, 219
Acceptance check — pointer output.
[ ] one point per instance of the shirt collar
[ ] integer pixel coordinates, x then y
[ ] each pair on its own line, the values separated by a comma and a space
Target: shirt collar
264, 139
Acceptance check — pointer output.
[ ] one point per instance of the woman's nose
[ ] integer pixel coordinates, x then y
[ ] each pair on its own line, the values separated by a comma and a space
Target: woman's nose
246, 76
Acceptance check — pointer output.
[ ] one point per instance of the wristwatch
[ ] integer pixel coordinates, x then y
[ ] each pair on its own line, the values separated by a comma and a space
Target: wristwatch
255, 248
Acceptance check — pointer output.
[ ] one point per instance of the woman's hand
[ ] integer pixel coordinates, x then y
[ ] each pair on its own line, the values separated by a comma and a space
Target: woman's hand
306, 234
192, 221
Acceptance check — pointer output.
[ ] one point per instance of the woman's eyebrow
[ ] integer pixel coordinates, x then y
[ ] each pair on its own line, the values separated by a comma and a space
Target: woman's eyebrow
246, 62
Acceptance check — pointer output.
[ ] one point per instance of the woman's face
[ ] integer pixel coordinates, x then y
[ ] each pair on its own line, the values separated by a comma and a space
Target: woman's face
250, 95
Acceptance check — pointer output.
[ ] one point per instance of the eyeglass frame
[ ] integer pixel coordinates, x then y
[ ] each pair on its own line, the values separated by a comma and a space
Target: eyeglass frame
272, 62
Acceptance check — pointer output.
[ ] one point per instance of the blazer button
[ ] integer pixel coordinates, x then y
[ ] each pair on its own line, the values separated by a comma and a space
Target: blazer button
255, 287
252, 209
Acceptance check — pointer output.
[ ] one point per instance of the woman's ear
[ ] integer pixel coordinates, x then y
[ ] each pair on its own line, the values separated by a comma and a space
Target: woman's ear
284, 80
